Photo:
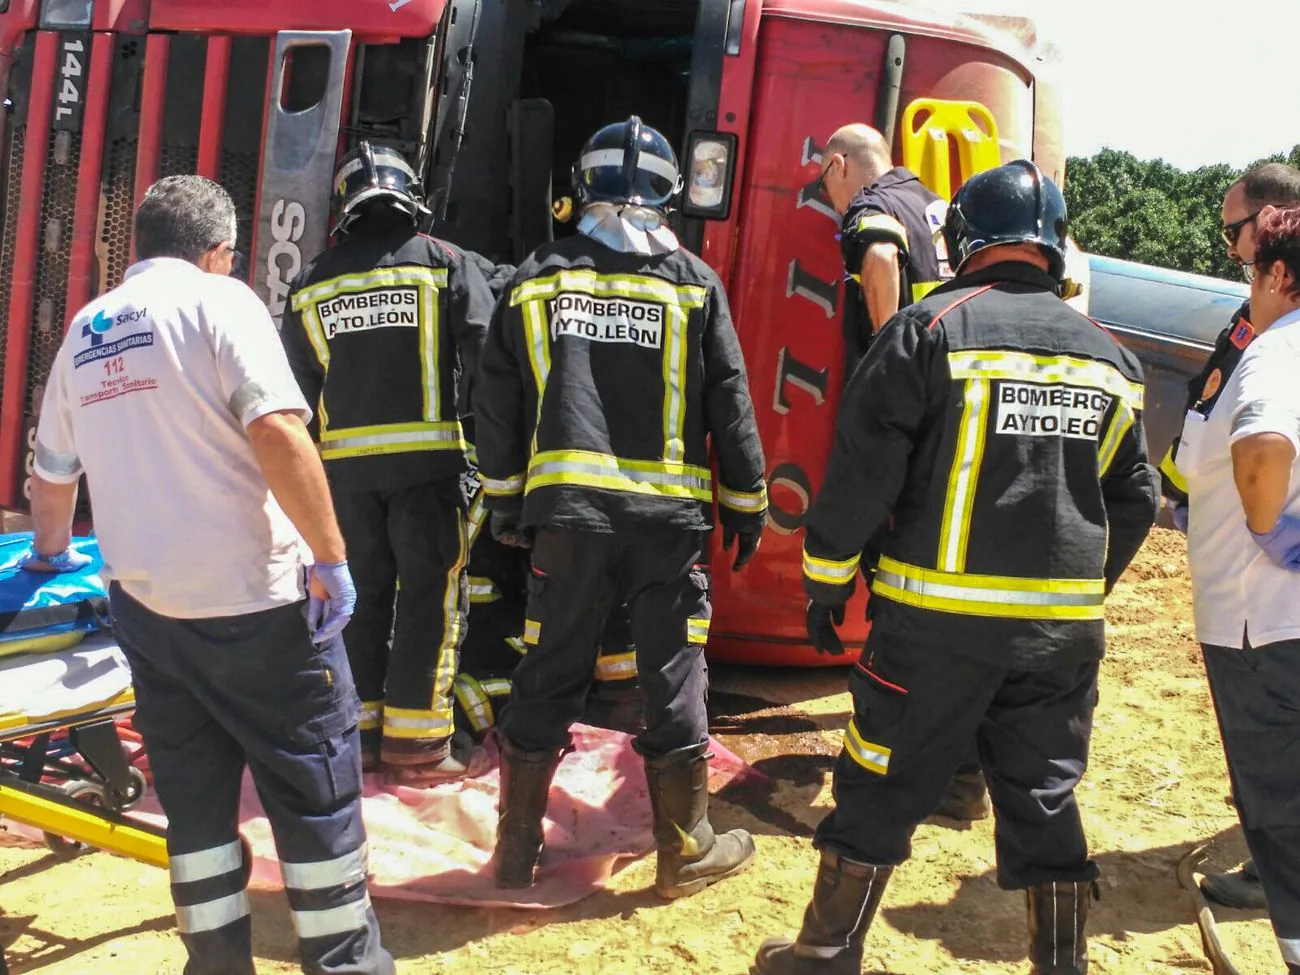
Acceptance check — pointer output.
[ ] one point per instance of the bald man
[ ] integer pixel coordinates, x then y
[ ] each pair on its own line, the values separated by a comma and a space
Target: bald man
889, 235
892, 241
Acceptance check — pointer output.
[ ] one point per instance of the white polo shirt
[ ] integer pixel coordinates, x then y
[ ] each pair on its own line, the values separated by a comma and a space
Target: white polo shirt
1236, 587
150, 394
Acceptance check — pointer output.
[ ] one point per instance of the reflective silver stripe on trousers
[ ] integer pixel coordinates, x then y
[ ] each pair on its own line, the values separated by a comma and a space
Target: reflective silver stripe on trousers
1008, 597
347, 869
211, 915
640, 477
186, 868
387, 439
1290, 948
424, 724
332, 920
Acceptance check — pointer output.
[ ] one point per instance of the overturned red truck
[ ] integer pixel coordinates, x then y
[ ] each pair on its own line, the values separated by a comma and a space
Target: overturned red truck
492, 101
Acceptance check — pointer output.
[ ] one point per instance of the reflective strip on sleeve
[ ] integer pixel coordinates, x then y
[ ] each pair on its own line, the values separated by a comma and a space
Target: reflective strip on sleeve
483, 590
747, 502
416, 723
503, 487
372, 715
332, 921
583, 468
1120, 425
350, 868
188, 868
211, 915
391, 438
517, 644
475, 702
532, 632
830, 572
609, 286
868, 754
1027, 367
964, 476
697, 630
883, 228
496, 686
1169, 468
616, 666
1008, 597
52, 462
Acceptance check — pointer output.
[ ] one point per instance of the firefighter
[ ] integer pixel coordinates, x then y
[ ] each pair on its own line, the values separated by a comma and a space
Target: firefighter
610, 365
1275, 184
1002, 431
172, 394
892, 242
384, 332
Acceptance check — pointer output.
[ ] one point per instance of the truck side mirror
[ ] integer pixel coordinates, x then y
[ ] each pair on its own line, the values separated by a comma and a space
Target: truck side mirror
710, 168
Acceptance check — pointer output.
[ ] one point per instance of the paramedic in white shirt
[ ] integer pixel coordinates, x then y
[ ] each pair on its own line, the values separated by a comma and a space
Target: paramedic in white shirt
1242, 465
173, 396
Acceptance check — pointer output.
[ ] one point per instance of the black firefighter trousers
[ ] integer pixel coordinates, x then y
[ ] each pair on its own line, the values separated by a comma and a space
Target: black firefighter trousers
1256, 694
576, 580
916, 708
416, 537
213, 696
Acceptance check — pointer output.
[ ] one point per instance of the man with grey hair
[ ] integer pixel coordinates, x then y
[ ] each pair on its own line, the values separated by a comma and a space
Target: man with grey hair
228, 579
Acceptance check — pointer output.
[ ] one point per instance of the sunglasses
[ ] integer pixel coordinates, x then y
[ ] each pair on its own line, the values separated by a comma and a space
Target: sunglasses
1232, 231
820, 186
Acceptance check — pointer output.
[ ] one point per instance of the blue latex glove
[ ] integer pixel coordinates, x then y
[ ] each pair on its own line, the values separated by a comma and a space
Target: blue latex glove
1281, 543
331, 598
1179, 513
68, 560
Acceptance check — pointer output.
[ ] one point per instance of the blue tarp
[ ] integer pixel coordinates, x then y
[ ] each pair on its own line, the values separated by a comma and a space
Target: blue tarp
35, 604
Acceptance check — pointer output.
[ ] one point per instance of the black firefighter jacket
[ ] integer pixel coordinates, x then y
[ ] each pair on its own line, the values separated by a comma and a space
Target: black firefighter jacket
603, 379
1002, 430
383, 333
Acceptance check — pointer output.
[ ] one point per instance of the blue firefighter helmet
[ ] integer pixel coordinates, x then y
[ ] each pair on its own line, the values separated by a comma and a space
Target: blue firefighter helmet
627, 163
375, 177
1011, 204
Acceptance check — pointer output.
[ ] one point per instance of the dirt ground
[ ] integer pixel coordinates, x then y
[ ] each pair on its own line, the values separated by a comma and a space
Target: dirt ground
1156, 788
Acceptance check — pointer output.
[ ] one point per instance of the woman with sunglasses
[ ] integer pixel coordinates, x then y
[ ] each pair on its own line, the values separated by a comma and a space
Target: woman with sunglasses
1242, 464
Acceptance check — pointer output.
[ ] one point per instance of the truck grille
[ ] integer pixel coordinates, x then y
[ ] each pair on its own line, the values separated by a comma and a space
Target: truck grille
137, 128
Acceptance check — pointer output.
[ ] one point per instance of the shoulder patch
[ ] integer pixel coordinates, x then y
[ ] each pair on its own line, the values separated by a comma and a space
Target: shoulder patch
1243, 334
1212, 383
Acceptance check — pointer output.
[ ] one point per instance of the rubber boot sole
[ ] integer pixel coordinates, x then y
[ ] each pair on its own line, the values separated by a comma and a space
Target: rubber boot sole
695, 886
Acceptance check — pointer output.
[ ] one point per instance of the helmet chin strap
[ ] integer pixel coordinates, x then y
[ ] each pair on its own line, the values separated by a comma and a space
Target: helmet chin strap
628, 228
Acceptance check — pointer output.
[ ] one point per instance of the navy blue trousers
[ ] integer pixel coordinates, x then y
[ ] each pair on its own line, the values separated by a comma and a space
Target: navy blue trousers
214, 696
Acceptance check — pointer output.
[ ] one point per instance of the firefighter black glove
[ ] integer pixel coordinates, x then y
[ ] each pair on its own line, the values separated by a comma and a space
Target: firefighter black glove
746, 547
822, 620
506, 530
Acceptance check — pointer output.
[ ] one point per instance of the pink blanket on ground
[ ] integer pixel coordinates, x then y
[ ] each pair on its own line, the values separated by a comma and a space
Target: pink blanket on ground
434, 844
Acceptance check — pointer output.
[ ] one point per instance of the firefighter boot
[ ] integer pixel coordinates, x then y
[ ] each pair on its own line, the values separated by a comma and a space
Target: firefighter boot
1058, 914
691, 854
463, 759
525, 787
967, 798
615, 705
844, 903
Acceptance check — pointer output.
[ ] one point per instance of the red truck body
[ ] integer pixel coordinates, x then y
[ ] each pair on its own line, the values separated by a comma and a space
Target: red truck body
264, 95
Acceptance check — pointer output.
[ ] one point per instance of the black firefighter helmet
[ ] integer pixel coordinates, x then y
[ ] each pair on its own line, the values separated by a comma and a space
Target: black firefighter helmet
374, 178
1012, 204
627, 163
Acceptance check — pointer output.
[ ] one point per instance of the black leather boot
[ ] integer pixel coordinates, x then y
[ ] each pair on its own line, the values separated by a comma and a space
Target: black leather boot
525, 787
967, 798
1058, 914
691, 855
844, 903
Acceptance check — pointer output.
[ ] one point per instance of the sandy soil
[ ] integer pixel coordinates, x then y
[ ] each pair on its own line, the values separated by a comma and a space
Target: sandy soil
1156, 788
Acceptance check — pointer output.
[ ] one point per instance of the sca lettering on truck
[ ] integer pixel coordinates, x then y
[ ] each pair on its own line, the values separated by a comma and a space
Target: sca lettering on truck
382, 308
624, 320
1036, 410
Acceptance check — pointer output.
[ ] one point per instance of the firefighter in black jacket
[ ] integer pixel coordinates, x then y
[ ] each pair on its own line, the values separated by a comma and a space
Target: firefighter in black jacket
609, 367
1002, 431
891, 237
384, 332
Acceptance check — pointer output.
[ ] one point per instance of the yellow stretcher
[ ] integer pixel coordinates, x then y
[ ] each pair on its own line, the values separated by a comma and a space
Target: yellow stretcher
62, 766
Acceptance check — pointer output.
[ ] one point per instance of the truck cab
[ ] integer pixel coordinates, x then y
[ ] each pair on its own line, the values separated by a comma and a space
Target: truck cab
491, 102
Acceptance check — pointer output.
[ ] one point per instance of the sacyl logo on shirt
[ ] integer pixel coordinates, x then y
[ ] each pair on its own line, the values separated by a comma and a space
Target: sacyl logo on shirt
380, 308
1036, 410
608, 319
99, 326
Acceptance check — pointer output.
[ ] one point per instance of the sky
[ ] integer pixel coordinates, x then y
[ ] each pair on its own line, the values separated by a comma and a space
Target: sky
1162, 80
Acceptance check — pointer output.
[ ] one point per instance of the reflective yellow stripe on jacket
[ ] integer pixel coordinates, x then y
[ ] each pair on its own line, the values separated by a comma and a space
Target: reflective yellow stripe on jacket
390, 438
582, 468
1169, 468
969, 594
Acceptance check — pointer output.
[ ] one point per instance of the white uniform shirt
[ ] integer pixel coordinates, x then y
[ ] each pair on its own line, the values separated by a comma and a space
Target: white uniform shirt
1235, 586
150, 394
